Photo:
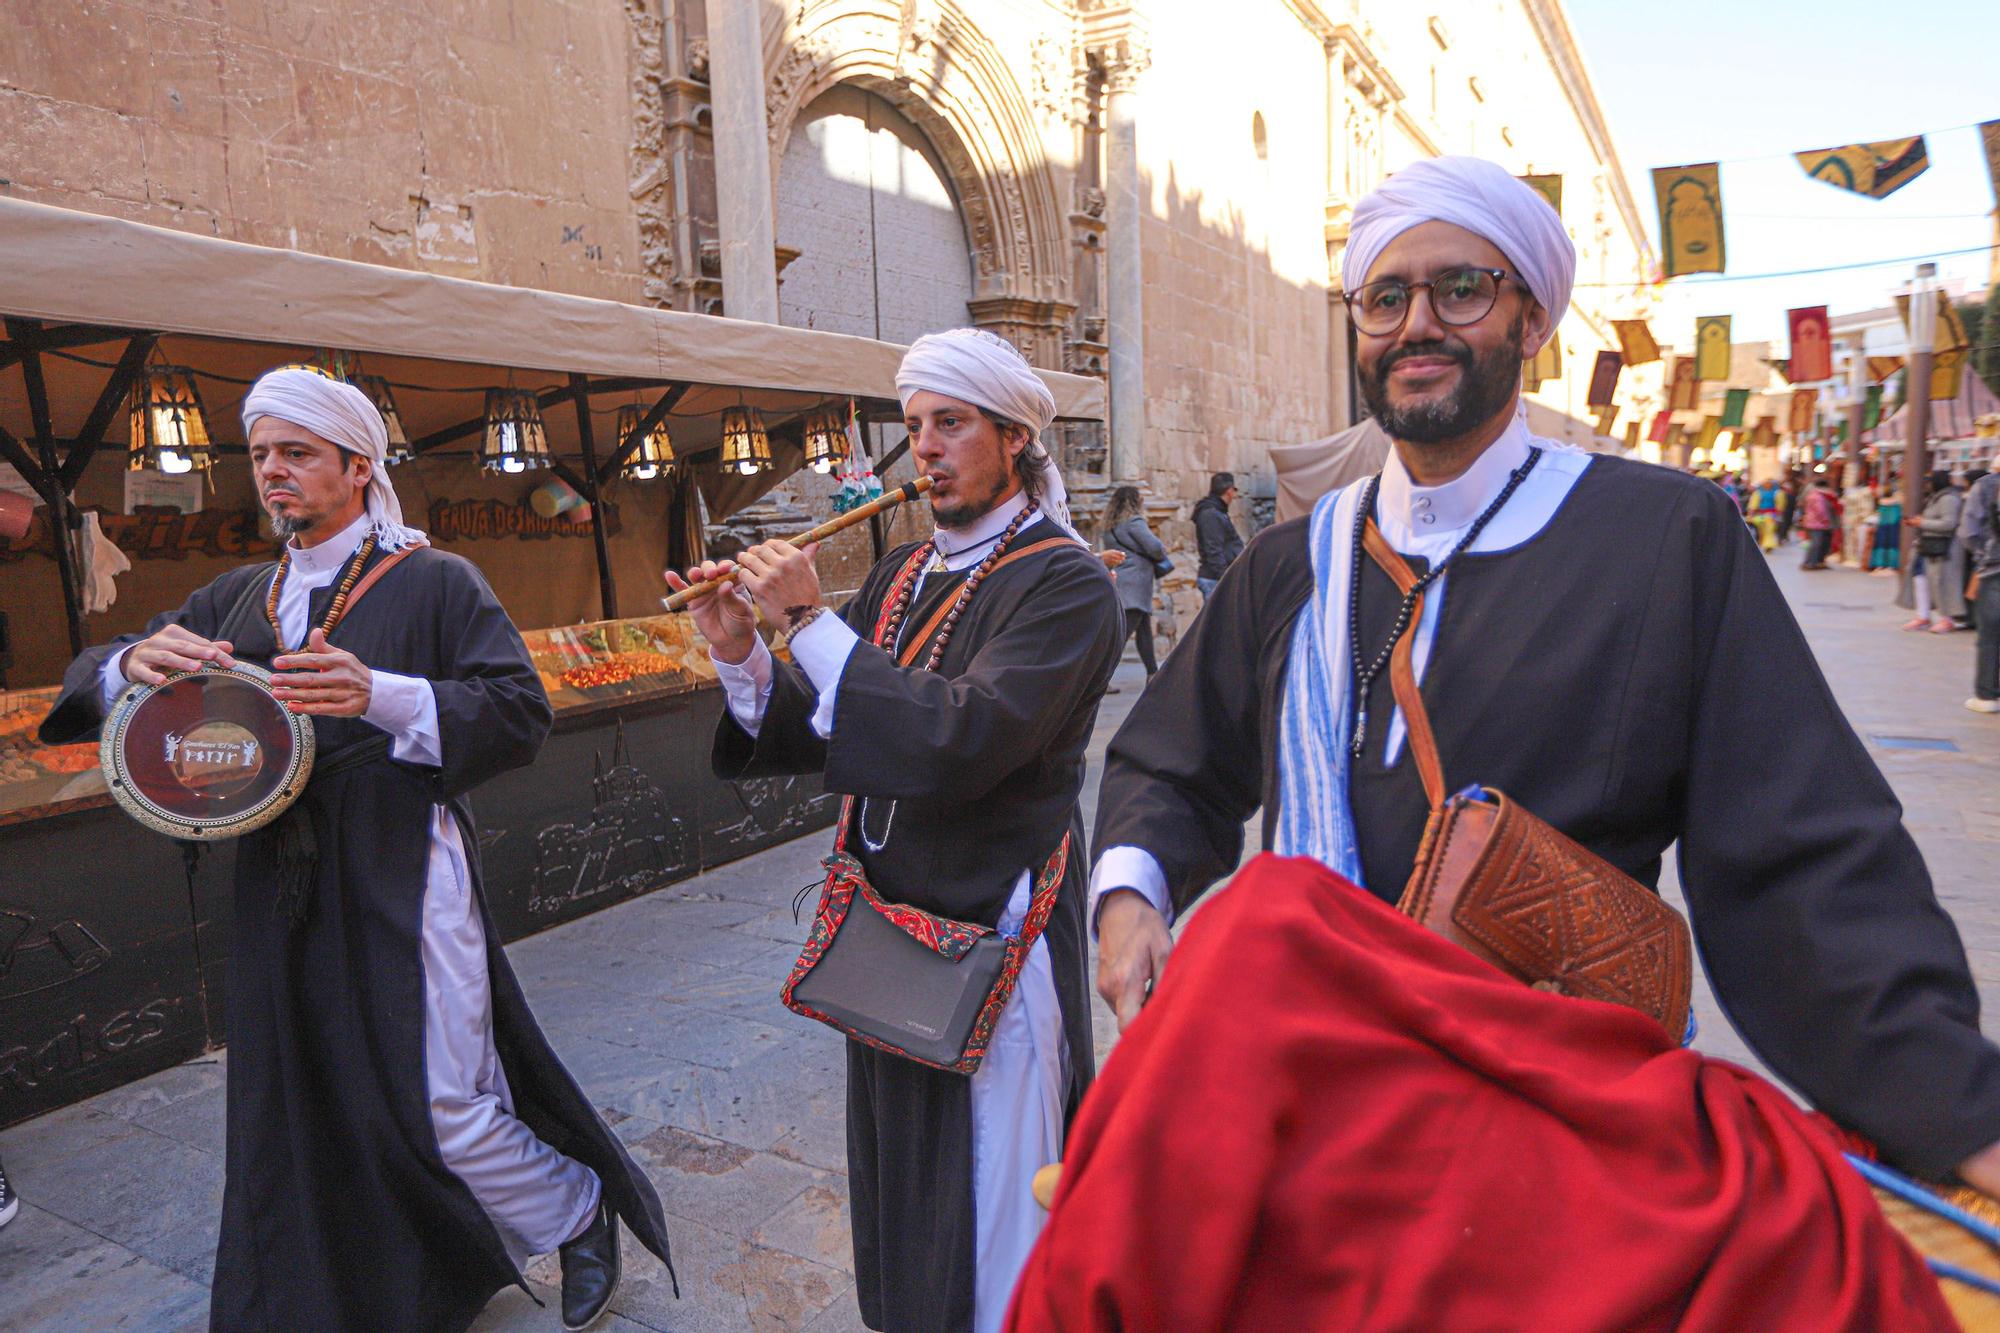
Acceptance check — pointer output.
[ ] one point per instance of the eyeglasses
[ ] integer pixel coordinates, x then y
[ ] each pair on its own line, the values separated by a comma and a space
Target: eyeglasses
1459, 296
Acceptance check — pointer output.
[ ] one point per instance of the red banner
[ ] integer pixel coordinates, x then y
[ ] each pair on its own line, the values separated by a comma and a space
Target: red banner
1812, 347
1661, 422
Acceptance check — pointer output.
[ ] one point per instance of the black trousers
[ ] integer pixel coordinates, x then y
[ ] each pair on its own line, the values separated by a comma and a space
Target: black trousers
1817, 542
1986, 660
1140, 623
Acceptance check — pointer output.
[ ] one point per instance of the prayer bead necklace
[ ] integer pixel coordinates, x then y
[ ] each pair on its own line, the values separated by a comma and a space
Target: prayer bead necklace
888, 632
1365, 674
334, 612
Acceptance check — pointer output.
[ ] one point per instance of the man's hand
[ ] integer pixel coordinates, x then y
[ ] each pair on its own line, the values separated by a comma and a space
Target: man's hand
1132, 949
723, 615
322, 680
150, 661
781, 578
1111, 559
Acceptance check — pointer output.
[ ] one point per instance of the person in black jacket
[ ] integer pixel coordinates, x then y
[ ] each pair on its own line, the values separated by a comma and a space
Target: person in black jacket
1215, 533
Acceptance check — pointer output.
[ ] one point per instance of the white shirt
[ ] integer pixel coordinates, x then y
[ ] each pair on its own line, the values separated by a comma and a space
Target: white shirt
1425, 521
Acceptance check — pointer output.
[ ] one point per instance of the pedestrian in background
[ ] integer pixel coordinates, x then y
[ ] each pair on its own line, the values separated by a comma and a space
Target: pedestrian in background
1858, 502
1979, 530
1215, 532
1933, 589
1816, 516
1146, 558
1788, 506
1886, 559
1765, 505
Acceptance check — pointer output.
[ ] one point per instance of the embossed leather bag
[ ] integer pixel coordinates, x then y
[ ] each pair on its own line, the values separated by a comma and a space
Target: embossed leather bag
1500, 882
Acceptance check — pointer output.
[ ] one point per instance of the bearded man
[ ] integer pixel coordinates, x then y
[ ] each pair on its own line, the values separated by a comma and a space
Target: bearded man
401, 1138
959, 730
1602, 641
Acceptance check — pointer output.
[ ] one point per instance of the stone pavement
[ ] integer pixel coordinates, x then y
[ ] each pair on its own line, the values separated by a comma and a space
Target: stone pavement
666, 1010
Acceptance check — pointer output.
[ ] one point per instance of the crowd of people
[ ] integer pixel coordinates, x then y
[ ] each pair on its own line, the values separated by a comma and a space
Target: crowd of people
1948, 586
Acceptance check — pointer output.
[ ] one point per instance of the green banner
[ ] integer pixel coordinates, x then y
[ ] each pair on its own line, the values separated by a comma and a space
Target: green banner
1734, 404
1871, 409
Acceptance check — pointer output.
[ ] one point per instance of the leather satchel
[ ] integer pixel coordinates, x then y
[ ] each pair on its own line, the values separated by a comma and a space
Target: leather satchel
1493, 878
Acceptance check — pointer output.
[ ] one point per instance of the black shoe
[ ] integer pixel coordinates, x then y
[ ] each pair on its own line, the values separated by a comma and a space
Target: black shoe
10, 1202
590, 1271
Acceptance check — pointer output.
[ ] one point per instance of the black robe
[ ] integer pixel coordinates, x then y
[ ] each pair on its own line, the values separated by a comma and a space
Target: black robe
1632, 675
985, 761
338, 1210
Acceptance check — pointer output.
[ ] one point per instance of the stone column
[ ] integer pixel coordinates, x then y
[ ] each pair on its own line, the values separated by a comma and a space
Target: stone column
743, 205
1124, 61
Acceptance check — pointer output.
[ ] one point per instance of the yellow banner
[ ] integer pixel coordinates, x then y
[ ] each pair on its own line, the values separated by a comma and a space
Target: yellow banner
1989, 138
1543, 366
1711, 348
1607, 420
1690, 203
1804, 411
1549, 187
1632, 433
1951, 334
1710, 428
1683, 385
1766, 434
1877, 170
1948, 373
1635, 341
1882, 367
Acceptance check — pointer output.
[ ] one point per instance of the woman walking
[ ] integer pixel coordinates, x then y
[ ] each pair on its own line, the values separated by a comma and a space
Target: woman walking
1146, 558
1936, 591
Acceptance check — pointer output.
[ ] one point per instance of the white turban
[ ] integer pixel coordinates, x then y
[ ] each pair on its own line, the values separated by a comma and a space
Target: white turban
984, 369
340, 414
1481, 197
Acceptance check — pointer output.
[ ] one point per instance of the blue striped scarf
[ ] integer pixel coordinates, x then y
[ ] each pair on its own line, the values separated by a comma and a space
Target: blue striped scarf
1314, 817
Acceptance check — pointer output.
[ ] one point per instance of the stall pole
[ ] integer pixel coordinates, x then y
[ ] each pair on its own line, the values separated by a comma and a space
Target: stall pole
607, 591
63, 520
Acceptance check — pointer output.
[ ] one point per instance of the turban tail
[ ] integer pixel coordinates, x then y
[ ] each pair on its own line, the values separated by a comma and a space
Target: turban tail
984, 369
1484, 199
342, 415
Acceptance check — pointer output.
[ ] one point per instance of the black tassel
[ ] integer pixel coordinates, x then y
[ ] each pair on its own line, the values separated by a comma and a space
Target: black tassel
295, 862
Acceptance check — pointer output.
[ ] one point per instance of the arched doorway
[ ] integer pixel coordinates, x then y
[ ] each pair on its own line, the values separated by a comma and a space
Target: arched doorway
863, 197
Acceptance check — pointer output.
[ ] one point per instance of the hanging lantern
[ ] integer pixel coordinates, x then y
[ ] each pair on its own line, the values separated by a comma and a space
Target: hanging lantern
377, 389
746, 448
826, 441
654, 456
169, 432
515, 439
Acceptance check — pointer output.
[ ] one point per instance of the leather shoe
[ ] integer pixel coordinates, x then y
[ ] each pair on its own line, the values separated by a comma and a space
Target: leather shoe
590, 1271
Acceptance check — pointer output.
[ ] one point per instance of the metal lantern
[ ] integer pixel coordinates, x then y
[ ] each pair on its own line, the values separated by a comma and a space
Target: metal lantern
826, 441
654, 456
377, 389
516, 440
746, 448
169, 431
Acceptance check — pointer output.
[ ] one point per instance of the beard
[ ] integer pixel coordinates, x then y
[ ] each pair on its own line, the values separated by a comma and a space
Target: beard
1485, 385
288, 526
970, 509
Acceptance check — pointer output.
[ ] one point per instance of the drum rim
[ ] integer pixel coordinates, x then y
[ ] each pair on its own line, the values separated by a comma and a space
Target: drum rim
111, 760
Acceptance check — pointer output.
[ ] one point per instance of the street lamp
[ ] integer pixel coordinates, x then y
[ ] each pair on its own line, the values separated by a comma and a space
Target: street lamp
1917, 394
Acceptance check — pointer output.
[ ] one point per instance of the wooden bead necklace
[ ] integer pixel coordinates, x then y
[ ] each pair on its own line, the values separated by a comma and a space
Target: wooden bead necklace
886, 635
334, 612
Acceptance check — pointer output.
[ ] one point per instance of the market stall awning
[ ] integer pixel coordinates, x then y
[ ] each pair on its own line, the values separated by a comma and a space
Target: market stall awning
1951, 418
80, 268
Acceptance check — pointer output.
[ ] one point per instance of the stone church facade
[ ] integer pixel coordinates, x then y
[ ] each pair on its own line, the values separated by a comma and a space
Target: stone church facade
1157, 192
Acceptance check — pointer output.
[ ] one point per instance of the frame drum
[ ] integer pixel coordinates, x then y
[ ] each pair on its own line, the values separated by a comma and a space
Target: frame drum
206, 754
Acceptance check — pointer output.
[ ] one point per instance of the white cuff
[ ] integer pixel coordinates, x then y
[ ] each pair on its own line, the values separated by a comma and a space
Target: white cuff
1128, 868
111, 680
821, 649
746, 685
406, 708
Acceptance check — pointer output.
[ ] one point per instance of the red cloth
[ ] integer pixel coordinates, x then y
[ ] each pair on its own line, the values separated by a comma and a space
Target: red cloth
1330, 1118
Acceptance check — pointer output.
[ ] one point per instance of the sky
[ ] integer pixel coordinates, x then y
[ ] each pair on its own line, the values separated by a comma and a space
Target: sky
1749, 82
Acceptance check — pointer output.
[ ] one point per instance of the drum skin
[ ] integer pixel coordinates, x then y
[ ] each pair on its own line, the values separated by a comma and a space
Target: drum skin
206, 755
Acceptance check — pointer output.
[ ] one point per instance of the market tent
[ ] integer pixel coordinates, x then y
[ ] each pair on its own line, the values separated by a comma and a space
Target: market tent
1951, 418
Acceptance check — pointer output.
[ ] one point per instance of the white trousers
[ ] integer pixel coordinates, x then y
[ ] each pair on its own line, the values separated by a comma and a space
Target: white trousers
1017, 1100
536, 1197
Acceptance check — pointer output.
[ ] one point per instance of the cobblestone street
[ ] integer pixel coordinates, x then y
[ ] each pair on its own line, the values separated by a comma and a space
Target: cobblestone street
665, 1008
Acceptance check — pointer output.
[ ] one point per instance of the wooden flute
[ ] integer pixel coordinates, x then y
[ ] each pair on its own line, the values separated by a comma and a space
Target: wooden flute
889, 499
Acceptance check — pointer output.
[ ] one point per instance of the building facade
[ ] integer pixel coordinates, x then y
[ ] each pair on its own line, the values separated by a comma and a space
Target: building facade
1137, 190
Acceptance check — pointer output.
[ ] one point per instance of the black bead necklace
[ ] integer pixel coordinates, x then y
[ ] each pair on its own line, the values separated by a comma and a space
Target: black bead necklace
1365, 673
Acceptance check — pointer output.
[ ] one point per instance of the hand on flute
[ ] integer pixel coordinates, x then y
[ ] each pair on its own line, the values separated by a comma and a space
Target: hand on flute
782, 580
723, 613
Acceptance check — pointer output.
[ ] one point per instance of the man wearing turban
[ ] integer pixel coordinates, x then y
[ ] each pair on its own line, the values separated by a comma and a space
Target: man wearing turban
957, 728
1601, 642
401, 1137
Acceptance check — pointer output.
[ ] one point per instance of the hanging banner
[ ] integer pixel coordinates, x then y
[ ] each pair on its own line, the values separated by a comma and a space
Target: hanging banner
1632, 433
1877, 170
1684, 386
1549, 187
1882, 367
1948, 372
1734, 404
1812, 349
1989, 139
1766, 434
1607, 420
1871, 408
1690, 204
1604, 379
1543, 366
1711, 347
1710, 428
1662, 423
1635, 342
1805, 410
